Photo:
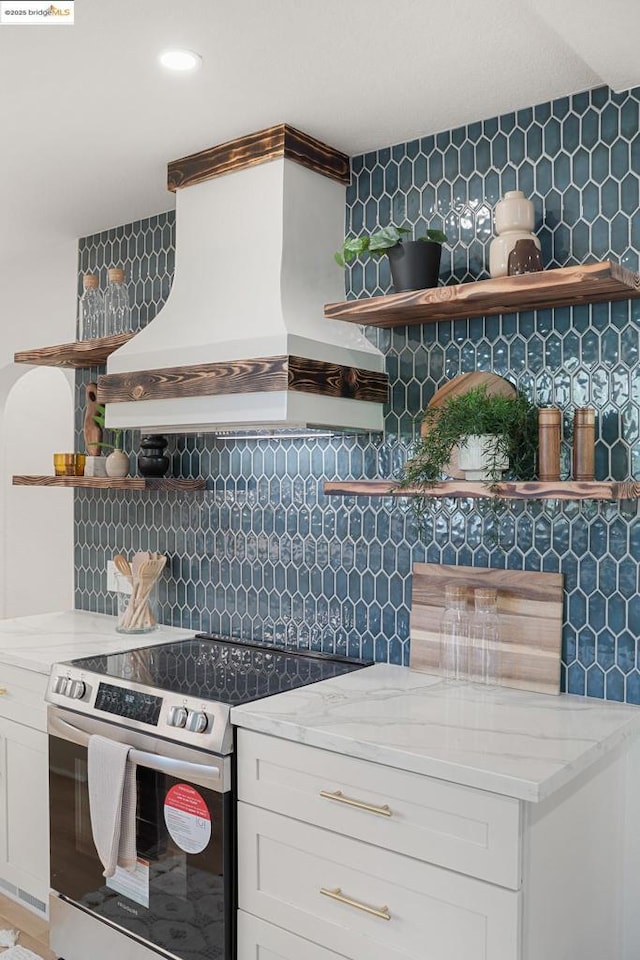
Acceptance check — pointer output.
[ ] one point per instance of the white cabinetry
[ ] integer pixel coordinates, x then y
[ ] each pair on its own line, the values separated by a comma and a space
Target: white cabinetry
342, 857
24, 788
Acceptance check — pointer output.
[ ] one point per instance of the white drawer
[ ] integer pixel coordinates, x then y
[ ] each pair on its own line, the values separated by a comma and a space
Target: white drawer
284, 866
258, 940
22, 696
471, 831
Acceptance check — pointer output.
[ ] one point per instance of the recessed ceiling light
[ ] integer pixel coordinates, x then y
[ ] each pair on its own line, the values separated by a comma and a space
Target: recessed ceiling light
180, 60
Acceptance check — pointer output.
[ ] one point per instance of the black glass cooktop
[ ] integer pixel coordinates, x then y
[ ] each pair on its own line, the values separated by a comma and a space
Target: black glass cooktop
216, 668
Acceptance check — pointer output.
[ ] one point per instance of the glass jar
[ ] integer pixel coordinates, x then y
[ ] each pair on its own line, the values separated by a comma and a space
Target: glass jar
137, 607
116, 303
91, 319
484, 636
454, 633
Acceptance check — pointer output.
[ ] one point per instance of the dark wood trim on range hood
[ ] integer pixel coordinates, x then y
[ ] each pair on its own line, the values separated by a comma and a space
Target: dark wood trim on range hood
262, 374
270, 144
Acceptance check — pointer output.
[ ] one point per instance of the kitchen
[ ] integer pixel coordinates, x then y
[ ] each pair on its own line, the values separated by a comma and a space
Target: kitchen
263, 553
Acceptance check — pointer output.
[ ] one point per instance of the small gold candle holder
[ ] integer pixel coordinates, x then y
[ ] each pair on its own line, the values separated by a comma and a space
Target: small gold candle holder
68, 464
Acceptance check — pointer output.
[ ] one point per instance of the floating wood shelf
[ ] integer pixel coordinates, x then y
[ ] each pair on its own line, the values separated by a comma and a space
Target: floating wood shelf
510, 490
111, 483
81, 353
567, 286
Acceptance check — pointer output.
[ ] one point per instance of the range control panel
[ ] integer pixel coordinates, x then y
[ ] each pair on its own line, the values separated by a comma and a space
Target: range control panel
130, 704
169, 715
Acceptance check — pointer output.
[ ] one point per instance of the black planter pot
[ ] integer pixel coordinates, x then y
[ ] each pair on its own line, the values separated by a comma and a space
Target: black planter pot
151, 461
415, 264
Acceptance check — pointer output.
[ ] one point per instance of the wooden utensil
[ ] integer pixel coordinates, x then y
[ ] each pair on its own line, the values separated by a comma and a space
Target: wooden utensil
137, 564
147, 575
123, 566
530, 613
494, 385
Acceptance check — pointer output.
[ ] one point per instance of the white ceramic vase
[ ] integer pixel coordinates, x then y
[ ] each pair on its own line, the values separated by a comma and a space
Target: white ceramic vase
514, 212
117, 464
514, 219
478, 460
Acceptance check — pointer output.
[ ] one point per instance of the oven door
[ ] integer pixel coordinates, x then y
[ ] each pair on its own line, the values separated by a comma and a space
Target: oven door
179, 900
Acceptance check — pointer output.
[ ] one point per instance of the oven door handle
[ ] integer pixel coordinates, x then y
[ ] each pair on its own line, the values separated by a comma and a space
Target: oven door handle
204, 774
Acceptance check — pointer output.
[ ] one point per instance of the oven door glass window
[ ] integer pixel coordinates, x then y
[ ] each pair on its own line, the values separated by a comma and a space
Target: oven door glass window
179, 898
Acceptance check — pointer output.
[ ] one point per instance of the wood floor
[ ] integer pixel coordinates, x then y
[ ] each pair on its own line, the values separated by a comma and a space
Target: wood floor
34, 931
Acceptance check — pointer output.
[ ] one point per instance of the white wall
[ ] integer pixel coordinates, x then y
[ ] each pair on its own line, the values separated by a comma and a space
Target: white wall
38, 521
37, 307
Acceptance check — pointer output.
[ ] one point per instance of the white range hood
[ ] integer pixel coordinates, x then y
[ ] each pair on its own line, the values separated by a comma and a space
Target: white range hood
241, 343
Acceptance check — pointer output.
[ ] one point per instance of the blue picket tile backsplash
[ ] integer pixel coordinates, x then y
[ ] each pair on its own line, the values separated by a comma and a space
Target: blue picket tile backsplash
263, 553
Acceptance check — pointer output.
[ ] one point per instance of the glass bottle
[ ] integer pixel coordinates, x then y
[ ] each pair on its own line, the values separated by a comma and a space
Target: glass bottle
91, 309
454, 632
116, 303
484, 636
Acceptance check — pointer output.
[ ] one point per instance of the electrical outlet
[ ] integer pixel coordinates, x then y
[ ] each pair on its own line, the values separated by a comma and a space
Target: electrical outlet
112, 583
117, 584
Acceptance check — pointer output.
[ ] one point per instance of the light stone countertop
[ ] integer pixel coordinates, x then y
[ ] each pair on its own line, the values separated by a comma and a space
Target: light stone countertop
518, 744
37, 642
523, 745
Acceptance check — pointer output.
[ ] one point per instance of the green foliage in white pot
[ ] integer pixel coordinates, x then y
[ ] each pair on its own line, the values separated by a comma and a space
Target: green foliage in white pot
512, 421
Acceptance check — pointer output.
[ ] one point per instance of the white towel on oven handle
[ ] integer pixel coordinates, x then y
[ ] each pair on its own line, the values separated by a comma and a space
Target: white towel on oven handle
112, 803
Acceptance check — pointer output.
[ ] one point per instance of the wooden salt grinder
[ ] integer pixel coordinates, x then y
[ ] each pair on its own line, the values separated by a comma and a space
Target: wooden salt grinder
549, 422
584, 444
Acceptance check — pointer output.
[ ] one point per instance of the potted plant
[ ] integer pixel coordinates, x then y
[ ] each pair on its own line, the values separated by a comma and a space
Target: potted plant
503, 429
415, 264
117, 463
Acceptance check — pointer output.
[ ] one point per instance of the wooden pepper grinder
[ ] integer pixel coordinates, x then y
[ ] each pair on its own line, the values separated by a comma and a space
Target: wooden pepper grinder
549, 428
92, 430
584, 444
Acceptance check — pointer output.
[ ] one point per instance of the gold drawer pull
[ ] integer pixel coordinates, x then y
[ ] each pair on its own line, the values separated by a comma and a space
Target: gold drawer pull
337, 894
338, 795
3, 690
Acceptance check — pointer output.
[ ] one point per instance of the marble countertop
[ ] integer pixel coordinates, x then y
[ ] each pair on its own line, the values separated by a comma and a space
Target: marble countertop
523, 745
37, 642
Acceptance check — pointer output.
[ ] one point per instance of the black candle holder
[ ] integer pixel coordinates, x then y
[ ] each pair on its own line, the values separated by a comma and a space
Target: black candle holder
152, 461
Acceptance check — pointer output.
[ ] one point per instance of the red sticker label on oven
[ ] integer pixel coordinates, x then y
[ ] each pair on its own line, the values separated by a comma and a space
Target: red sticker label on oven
187, 818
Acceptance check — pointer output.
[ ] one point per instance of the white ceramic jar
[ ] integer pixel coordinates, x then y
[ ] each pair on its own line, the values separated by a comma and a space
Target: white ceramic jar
514, 219
514, 212
479, 458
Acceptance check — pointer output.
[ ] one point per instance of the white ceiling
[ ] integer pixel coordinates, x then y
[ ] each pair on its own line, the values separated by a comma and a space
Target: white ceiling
88, 121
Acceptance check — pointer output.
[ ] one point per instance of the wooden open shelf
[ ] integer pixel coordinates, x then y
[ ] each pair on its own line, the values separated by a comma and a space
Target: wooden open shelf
110, 483
510, 490
80, 353
567, 286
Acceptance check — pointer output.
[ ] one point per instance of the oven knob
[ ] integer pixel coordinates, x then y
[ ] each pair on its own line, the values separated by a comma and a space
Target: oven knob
60, 685
177, 716
197, 722
76, 689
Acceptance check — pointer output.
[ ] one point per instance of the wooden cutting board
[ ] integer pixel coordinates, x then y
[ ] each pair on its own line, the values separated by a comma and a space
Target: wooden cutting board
530, 613
462, 384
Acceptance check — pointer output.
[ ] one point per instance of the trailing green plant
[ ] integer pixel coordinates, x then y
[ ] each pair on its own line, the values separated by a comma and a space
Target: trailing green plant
512, 421
99, 418
380, 242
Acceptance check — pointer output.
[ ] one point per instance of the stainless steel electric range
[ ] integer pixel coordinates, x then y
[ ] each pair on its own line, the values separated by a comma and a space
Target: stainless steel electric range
171, 704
